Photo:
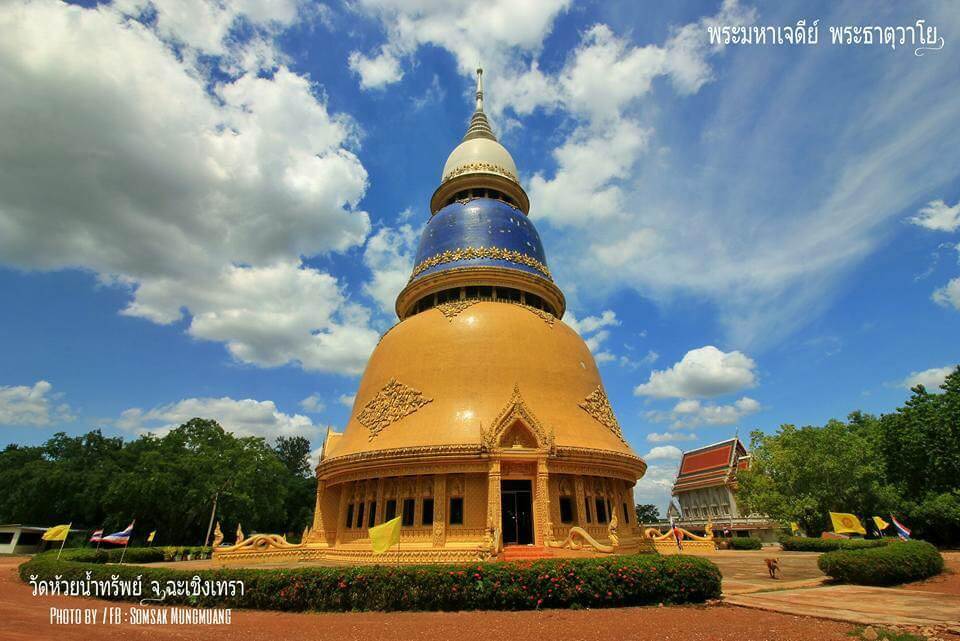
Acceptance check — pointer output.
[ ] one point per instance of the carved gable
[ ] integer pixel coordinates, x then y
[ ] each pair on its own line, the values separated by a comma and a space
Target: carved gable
516, 424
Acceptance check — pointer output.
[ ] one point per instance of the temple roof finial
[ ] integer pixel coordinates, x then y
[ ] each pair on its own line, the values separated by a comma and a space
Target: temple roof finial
479, 127
479, 88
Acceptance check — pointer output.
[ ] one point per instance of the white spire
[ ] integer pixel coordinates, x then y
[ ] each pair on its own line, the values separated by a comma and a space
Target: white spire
479, 89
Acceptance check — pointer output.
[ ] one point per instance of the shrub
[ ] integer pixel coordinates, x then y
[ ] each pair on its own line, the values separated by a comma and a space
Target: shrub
133, 555
898, 562
804, 544
553, 583
746, 543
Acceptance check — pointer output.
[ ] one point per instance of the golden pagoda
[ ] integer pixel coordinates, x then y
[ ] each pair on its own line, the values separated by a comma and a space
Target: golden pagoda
481, 419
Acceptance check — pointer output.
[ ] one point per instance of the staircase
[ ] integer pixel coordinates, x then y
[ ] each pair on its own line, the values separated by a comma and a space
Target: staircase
526, 553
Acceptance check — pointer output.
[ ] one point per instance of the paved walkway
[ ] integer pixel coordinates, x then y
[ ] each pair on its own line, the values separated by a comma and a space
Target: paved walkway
746, 571
861, 604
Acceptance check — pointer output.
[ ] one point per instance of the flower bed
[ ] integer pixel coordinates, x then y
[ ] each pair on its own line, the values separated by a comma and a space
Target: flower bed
898, 562
804, 544
556, 583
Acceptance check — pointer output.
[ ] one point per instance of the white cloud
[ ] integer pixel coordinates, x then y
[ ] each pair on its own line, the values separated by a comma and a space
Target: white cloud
703, 372
389, 257
586, 186
656, 486
667, 437
375, 72
931, 378
347, 399
196, 184
663, 452
692, 412
206, 25
938, 216
948, 295
592, 330
607, 318
36, 406
313, 404
246, 417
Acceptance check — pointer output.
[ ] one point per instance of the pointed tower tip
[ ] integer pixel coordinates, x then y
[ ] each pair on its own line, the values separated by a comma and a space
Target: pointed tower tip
479, 127
479, 88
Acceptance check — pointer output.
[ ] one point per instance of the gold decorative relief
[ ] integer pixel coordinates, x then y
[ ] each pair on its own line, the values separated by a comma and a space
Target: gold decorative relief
597, 405
488, 167
516, 411
391, 404
451, 309
494, 253
547, 317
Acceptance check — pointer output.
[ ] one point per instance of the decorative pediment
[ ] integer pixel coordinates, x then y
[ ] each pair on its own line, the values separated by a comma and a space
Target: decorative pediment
516, 425
597, 405
391, 404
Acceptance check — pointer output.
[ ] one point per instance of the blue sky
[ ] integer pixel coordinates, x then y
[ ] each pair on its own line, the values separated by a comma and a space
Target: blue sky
209, 208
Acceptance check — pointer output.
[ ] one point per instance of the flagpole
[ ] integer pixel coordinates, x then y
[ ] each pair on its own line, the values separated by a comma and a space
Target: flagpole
124, 551
64, 542
99, 538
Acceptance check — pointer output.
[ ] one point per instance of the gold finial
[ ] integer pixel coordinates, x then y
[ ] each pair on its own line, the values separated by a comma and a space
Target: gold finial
479, 88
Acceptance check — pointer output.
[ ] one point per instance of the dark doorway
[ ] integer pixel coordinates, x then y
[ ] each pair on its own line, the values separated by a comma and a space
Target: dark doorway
516, 506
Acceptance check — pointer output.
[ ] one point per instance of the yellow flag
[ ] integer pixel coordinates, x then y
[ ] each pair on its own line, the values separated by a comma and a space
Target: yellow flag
881, 524
150, 536
56, 533
844, 523
385, 536
794, 527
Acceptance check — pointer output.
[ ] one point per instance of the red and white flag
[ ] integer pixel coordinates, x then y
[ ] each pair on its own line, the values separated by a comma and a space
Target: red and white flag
97, 536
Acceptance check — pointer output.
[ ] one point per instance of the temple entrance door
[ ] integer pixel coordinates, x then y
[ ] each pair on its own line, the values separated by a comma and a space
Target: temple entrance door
516, 506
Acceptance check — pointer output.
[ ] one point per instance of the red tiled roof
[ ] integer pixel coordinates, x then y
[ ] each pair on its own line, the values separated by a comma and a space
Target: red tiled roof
711, 465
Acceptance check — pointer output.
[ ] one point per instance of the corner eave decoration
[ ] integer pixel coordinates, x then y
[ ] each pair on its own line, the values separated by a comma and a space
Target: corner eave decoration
391, 404
597, 405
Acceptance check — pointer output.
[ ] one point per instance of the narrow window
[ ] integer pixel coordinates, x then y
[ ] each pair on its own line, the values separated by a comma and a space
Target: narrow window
601, 510
427, 517
372, 517
626, 513
350, 515
456, 511
360, 507
586, 508
391, 510
408, 507
566, 510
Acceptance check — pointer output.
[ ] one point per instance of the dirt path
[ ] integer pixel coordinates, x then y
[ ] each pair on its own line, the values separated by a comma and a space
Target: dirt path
24, 617
946, 583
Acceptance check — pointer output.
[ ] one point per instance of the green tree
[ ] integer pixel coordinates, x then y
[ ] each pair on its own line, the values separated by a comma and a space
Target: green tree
920, 443
167, 483
647, 513
800, 474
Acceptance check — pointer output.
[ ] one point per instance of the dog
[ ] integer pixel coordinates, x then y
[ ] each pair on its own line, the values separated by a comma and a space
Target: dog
773, 566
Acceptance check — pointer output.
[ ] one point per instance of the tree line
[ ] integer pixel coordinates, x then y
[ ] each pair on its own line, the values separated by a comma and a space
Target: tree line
906, 463
167, 483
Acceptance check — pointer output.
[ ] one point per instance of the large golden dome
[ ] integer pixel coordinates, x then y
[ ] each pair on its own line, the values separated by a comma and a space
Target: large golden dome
481, 424
461, 365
